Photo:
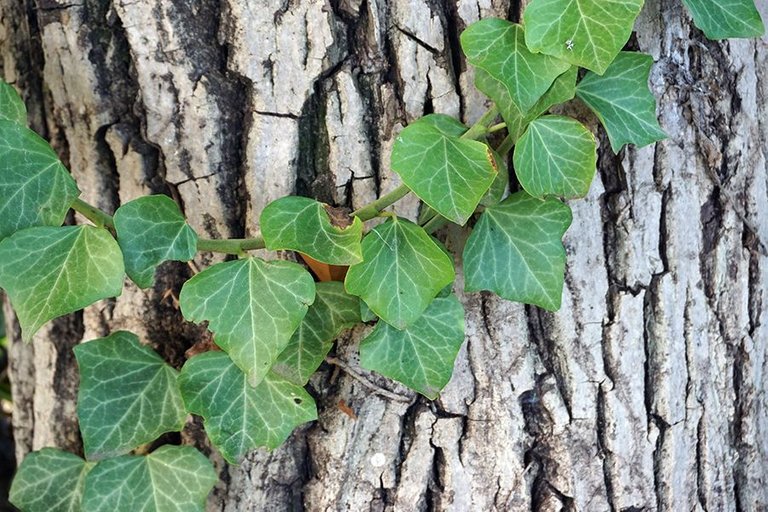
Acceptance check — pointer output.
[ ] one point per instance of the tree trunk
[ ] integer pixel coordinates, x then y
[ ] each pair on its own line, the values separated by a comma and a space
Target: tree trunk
647, 390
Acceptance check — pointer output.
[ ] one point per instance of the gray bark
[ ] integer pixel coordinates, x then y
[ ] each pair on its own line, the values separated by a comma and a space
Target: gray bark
647, 390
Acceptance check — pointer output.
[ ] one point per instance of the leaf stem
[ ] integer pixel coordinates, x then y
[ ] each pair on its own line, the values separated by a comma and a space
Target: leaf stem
480, 128
372, 209
93, 214
435, 223
235, 246
497, 127
506, 146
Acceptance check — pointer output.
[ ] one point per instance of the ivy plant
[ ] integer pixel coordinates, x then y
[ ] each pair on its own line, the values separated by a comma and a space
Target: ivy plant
273, 322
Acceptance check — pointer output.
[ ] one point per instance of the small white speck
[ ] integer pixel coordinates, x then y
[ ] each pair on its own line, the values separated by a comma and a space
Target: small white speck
378, 460
569, 44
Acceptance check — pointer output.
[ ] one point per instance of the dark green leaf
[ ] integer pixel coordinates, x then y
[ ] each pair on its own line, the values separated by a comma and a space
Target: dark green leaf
723, 19
49, 480
12, 108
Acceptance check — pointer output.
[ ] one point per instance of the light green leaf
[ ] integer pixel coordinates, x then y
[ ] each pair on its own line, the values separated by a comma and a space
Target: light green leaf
623, 102
35, 186
402, 271
498, 47
12, 107
170, 479
302, 224
723, 19
445, 124
333, 311
586, 33
422, 355
556, 156
252, 306
366, 315
49, 272
239, 417
128, 395
151, 230
499, 185
448, 173
49, 480
516, 251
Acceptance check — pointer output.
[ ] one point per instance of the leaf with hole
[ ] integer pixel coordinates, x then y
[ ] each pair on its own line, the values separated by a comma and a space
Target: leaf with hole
240, 417
49, 480
12, 108
723, 19
516, 251
50, 272
128, 395
252, 306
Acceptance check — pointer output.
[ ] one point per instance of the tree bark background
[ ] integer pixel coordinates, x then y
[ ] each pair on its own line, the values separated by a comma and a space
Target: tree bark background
648, 390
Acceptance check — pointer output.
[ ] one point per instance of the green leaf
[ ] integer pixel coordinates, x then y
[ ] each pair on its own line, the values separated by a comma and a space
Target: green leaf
49, 272
422, 355
586, 33
35, 186
723, 19
170, 479
128, 395
49, 480
516, 251
402, 271
556, 156
252, 306
151, 230
498, 47
302, 224
499, 185
448, 173
333, 311
239, 417
623, 102
12, 108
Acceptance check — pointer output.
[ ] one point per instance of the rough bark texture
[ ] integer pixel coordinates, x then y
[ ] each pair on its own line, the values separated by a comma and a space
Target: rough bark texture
648, 390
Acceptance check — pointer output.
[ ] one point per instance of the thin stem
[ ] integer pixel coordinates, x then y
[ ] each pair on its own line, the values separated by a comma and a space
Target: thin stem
506, 146
480, 128
365, 382
372, 209
236, 246
93, 214
497, 127
435, 223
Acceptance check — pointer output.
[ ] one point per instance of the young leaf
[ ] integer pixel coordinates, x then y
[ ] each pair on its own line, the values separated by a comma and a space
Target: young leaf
49, 480
151, 230
12, 108
448, 173
35, 186
499, 185
252, 306
586, 33
623, 102
128, 395
170, 479
333, 311
723, 19
402, 271
422, 355
516, 251
239, 417
556, 156
49, 272
498, 47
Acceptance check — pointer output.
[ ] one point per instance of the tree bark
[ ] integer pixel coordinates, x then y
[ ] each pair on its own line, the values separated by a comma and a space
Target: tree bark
647, 390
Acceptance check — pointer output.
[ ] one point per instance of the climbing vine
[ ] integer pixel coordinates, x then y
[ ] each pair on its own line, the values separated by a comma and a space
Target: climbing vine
275, 323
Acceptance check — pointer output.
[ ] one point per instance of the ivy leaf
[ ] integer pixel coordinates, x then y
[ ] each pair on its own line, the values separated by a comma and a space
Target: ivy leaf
422, 355
252, 306
128, 395
49, 272
12, 108
516, 251
498, 47
333, 311
448, 173
586, 33
308, 226
723, 19
499, 185
556, 156
151, 230
35, 186
239, 417
402, 271
170, 479
49, 480
623, 102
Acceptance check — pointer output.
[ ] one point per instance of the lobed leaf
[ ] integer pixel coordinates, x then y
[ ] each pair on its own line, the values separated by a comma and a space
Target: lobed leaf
252, 306
128, 395
402, 271
49, 272
49, 480
422, 355
723, 19
151, 230
239, 417
516, 251
623, 102
12, 107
